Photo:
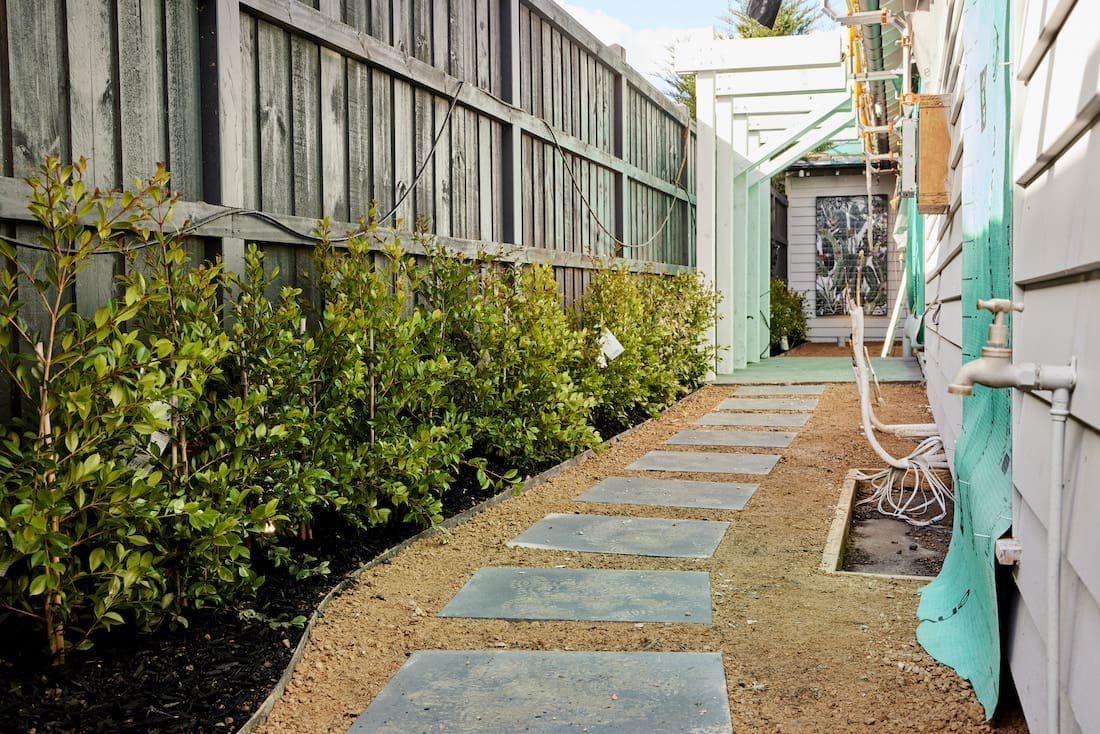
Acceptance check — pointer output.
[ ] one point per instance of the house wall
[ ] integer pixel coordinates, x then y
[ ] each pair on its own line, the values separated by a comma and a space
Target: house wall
937, 47
1056, 172
802, 193
1055, 164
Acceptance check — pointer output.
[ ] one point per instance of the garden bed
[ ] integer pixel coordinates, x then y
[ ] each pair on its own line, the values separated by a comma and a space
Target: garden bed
217, 674
862, 540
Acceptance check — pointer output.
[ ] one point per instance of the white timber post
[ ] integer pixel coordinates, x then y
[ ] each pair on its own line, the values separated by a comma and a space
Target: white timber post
725, 229
752, 248
705, 163
765, 204
740, 243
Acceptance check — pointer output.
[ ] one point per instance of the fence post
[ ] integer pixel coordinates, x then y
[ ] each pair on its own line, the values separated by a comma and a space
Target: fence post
221, 69
620, 144
513, 131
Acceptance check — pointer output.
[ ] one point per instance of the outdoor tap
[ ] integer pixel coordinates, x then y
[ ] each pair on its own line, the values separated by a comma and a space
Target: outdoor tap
994, 368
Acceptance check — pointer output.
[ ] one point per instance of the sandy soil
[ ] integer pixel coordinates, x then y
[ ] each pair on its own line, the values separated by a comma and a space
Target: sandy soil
803, 651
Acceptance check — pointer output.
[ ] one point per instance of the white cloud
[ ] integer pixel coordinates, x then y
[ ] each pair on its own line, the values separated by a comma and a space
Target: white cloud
647, 49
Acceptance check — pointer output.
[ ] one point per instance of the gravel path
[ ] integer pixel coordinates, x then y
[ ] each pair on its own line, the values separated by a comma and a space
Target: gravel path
803, 651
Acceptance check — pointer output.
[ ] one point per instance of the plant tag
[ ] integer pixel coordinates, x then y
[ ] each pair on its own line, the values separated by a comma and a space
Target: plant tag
610, 347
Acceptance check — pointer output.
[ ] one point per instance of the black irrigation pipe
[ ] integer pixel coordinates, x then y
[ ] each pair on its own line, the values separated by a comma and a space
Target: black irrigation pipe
260, 716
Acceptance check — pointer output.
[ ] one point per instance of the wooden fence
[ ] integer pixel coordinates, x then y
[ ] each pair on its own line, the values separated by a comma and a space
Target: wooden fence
303, 109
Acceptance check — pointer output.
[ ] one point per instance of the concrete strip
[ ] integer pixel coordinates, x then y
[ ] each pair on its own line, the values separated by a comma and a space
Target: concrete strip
545, 692
766, 420
785, 370
754, 439
670, 493
769, 390
705, 462
801, 404
584, 594
641, 536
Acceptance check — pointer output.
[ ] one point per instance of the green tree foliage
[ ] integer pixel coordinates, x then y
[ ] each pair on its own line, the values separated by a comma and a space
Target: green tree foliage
796, 18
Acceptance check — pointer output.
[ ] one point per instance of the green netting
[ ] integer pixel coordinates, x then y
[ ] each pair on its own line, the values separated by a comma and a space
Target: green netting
914, 262
958, 611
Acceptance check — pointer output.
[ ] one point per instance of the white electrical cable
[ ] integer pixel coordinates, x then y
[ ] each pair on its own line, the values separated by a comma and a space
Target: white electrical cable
910, 488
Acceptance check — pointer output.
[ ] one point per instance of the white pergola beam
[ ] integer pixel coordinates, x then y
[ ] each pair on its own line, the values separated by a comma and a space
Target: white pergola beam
781, 81
829, 106
781, 52
824, 132
771, 104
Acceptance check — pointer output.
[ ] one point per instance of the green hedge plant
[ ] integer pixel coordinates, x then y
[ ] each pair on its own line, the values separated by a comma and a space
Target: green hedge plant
165, 449
79, 503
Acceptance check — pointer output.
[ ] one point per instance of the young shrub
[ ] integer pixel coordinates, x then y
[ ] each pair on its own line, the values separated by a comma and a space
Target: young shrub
660, 323
79, 504
507, 323
404, 437
683, 308
212, 471
788, 314
542, 414
622, 388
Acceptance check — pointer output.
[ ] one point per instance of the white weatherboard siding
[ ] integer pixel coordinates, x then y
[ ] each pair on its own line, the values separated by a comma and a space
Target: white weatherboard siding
802, 193
937, 52
1056, 259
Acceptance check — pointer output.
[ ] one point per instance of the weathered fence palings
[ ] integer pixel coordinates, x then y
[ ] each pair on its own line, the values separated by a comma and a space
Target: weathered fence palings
300, 109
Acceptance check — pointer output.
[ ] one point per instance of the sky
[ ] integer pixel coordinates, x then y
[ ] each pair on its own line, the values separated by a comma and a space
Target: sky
647, 28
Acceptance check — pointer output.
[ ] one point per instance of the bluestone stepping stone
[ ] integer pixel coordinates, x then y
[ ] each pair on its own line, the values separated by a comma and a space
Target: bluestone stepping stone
640, 536
767, 420
670, 493
507, 691
584, 594
706, 462
768, 439
802, 404
766, 390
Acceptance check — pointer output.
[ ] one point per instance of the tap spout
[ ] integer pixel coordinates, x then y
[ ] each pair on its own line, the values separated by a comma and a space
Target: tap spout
995, 371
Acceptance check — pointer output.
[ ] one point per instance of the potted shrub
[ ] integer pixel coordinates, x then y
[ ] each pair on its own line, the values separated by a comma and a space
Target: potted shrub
788, 316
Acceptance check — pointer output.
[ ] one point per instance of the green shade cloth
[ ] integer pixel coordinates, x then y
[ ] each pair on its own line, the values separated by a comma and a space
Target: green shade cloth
958, 611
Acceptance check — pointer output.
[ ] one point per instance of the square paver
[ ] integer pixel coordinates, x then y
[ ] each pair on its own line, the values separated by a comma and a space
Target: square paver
801, 404
670, 493
640, 536
765, 420
765, 439
767, 390
584, 594
706, 462
507, 691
